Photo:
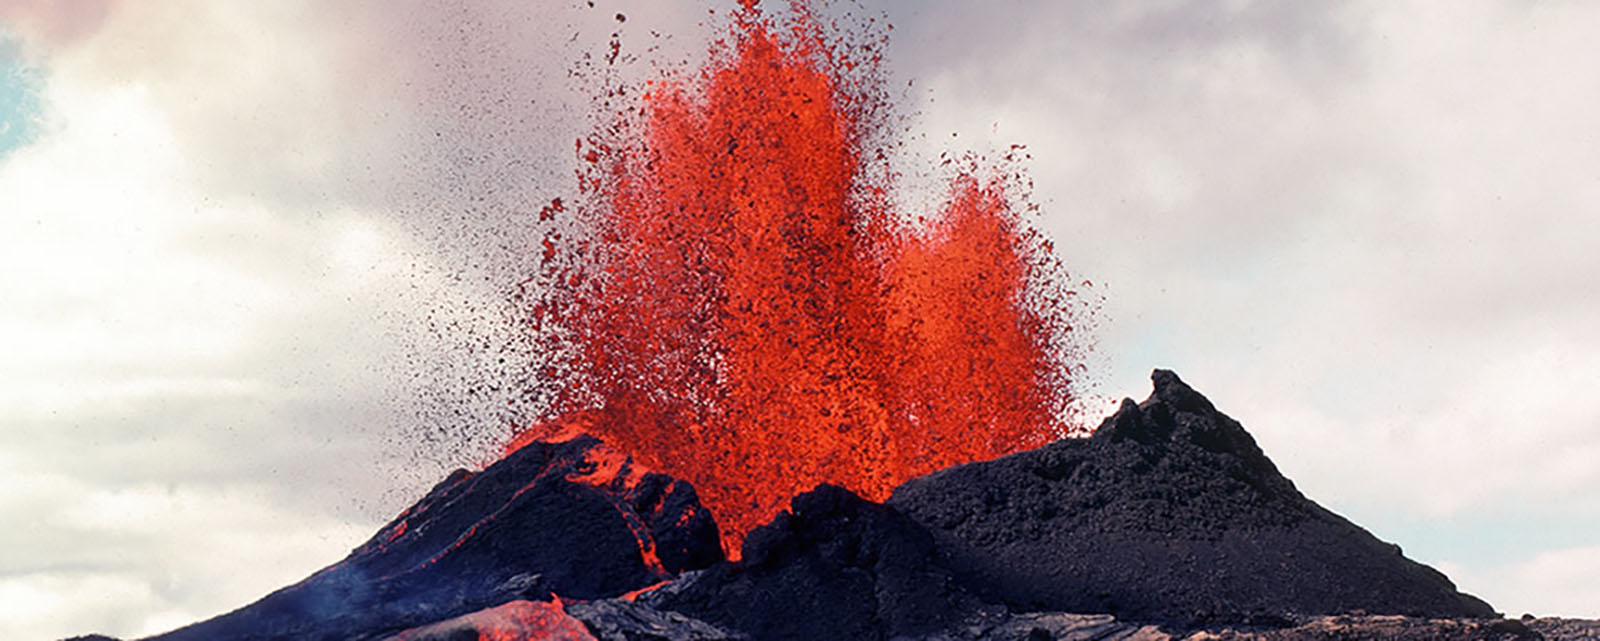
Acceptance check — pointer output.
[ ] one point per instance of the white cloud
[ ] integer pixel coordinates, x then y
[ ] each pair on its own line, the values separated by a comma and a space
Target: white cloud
93, 228
124, 558
1558, 582
190, 367
44, 606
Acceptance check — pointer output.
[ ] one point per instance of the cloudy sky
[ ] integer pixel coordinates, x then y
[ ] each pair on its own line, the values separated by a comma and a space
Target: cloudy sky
252, 256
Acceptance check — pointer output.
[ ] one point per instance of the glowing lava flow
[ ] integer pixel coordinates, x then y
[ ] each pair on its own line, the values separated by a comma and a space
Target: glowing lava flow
754, 317
514, 621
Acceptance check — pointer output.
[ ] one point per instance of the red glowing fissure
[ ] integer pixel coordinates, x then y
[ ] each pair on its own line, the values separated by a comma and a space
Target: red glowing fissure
752, 315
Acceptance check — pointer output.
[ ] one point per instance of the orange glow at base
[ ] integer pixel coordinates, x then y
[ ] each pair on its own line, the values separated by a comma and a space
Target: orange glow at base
513, 621
754, 316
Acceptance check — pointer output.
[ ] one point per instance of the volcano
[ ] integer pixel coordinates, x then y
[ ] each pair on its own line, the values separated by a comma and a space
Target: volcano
572, 518
1168, 520
1169, 512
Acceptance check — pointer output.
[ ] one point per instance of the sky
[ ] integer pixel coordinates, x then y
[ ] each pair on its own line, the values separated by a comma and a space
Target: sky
253, 258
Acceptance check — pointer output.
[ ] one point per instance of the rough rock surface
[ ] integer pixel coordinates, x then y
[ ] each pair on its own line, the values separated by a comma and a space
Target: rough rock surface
1391, 627
572, 518
1564, 629
1171, 514
1080, 627
835, 566
1047, 626
622, 620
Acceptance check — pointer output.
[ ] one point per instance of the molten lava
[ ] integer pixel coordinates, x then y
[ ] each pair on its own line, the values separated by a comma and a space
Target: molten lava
753, 316
514, 621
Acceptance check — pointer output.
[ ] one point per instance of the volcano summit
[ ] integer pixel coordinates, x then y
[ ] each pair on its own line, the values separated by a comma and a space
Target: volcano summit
1169, 512
1169, 522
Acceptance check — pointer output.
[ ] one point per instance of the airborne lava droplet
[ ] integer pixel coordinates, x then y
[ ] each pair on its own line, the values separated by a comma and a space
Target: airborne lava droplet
749, 313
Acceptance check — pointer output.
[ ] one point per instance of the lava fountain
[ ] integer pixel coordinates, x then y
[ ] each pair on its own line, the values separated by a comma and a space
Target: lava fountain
748, 311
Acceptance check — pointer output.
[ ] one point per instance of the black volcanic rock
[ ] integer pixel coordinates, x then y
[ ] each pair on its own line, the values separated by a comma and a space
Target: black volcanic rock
572, 518
623, 620
835, 566
1170, 513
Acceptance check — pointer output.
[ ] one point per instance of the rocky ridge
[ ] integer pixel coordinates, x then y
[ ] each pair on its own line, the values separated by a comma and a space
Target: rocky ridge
1169, 513
571, 518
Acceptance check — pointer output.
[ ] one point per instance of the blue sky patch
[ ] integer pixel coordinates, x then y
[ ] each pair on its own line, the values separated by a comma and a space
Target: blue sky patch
19, 98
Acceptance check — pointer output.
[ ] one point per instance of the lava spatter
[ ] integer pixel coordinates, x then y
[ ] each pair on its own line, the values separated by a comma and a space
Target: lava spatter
749, 312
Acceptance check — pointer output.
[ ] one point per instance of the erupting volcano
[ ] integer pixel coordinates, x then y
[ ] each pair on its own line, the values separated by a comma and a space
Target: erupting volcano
777, 404
752, 313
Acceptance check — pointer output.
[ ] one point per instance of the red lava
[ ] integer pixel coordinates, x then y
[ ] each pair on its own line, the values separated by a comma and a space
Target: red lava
756, 318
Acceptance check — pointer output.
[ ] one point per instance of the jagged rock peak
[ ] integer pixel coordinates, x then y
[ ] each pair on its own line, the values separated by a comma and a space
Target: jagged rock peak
1155, 418
1169, 513
1171, 389
1177, 416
